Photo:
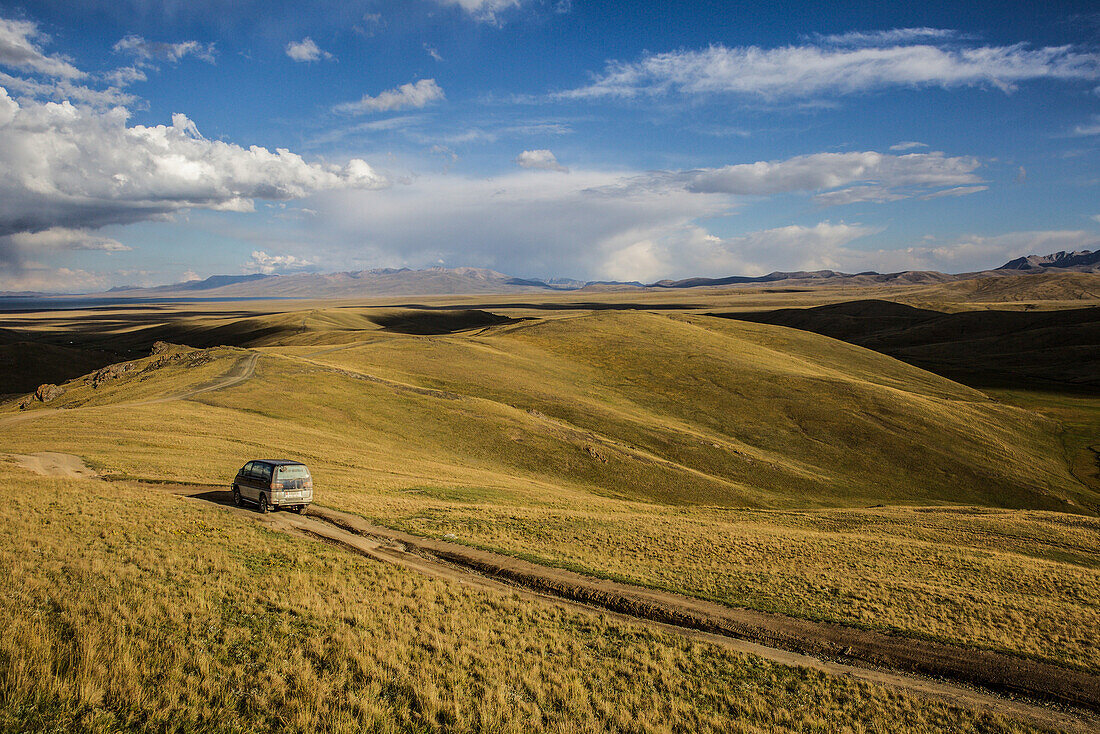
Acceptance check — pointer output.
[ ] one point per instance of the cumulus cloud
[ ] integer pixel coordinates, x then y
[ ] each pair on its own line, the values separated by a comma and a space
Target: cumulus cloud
261, 262
540, 159
145, 50
486, 11
793, 247
66, 90
20, 47
514, 222
831, 170
417, 95
808, 70
79, 168
640, 226
306, 50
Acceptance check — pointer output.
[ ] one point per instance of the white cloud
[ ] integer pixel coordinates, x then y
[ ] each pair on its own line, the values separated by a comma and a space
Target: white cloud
62, 238
908, 145
75, 167
261, 262
956, 191
306, 50
144, 50
371, 25
790, 248
433, 52
1088, 128
831, 170
979, 252
514, 222
640, 226
887, 37
417, 95
125, 75
540, 159
41, 277
486, 11
65, 89
19, 47
857, 194
809, 70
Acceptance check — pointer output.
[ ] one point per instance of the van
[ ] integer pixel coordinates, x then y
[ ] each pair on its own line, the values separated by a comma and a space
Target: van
274, 483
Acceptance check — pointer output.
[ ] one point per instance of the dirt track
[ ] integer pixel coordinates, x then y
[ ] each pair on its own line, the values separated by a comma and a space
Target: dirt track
895, 662
241, 370
50, 464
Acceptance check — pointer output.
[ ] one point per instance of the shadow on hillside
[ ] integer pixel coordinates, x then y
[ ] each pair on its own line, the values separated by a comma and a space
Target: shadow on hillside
427, 322
1051, 350
555, 306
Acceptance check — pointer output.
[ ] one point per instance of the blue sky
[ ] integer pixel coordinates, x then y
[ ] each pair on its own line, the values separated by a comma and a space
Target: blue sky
147, 142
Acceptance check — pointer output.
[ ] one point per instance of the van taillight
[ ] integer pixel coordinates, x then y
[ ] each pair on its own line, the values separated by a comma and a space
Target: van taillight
276, 485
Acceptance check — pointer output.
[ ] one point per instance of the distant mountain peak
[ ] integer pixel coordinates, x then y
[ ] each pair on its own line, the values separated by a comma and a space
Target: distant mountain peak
1061, 259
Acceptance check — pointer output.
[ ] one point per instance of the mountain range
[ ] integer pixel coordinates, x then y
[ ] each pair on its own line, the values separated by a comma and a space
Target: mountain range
468, 280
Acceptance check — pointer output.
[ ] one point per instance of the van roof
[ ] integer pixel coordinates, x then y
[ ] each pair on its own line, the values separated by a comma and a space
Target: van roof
277, 462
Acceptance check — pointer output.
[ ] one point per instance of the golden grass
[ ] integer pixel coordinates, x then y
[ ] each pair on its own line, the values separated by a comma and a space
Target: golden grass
127, 609
1015, 581
637, 446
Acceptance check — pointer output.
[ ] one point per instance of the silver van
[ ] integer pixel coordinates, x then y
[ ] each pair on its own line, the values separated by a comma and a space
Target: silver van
274, 483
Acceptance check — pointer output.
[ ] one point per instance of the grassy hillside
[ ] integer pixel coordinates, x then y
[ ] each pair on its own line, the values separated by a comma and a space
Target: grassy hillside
664, 408
127, 609
622, 444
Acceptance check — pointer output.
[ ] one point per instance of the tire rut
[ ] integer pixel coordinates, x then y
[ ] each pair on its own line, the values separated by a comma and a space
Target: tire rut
970, 678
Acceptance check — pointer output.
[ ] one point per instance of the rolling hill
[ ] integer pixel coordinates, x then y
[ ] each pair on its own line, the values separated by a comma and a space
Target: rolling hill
668, 408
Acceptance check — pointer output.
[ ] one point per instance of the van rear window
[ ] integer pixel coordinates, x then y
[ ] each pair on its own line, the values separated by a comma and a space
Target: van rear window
293, 471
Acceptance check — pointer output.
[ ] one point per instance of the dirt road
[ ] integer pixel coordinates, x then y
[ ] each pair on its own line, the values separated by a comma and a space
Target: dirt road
50, 464
914, 666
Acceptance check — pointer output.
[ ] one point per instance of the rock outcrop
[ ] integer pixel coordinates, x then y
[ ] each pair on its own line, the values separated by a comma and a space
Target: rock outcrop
48, 392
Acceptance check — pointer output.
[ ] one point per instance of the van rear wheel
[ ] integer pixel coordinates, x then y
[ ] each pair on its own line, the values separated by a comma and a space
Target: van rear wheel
264, 507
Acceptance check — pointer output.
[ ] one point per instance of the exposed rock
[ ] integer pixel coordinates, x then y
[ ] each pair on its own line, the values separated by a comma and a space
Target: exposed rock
110, 372
160, 348
193, 358
48, 392
595, 453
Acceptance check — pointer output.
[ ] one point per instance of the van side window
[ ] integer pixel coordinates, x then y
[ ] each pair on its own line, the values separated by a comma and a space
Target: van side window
265, 473
247, 468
